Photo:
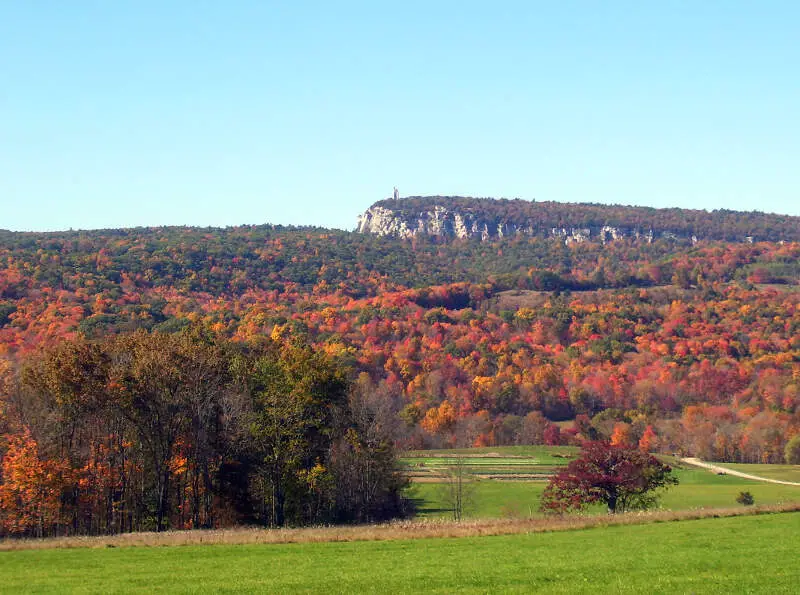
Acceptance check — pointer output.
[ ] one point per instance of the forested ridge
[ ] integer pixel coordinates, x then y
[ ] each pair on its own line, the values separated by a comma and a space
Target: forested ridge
678, 347
543, 216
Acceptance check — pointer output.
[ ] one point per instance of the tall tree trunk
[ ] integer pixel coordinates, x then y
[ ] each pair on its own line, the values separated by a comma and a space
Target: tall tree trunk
163, 498
612, 504
208, 497
278, 501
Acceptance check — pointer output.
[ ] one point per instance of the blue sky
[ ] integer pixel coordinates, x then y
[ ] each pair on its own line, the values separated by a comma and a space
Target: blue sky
126, 113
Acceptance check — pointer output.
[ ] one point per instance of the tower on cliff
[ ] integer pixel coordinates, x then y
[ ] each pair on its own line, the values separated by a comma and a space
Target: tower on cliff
396, 194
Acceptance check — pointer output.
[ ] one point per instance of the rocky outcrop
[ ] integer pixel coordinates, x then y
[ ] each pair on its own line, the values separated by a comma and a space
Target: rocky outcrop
489, 219
442, 222
383, 222
437, 221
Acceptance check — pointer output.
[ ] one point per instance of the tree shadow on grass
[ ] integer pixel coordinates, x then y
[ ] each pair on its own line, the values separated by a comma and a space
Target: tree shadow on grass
420, 507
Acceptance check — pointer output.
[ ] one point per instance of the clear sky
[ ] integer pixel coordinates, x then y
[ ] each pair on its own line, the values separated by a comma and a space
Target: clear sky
125, 113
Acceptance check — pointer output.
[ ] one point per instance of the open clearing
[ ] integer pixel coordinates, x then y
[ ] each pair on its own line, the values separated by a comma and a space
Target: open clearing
789, 473
710, 555
507, 482
745, 473
698, 488
499, 463
518, 551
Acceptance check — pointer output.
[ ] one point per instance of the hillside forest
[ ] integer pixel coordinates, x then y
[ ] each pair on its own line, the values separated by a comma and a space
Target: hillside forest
544, 216
142, 371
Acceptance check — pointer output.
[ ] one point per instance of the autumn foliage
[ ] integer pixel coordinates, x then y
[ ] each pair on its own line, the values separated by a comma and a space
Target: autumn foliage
149, 431
621, 477
662, 347
32, 489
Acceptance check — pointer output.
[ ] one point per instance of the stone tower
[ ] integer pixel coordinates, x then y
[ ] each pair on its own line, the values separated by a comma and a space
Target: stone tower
396, 194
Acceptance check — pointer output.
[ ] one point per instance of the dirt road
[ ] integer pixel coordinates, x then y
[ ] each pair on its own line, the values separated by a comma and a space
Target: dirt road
717, 469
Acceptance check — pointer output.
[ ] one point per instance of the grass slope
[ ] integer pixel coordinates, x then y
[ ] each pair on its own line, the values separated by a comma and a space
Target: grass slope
754, 554
494, 498
507, 499
782, 472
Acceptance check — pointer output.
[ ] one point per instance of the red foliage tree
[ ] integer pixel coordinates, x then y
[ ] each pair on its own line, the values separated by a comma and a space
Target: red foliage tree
623, 478
552, 435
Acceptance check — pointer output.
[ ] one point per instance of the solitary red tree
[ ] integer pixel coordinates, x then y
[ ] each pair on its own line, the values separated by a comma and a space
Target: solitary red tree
622, 477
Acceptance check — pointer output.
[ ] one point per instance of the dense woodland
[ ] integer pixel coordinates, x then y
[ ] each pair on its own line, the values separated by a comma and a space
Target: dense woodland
149, 431
671, 346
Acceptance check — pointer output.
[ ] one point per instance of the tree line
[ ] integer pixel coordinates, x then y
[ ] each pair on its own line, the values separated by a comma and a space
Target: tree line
699, 353
150, 431
233, 261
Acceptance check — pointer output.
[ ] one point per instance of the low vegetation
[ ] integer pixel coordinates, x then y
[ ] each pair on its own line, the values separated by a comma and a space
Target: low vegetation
745, 499
394, 530
498, 491
706, 555
780, 472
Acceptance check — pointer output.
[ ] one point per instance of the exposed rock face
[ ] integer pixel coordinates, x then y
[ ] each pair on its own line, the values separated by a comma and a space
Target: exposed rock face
440, 221
489, 219
572, 235
383, 222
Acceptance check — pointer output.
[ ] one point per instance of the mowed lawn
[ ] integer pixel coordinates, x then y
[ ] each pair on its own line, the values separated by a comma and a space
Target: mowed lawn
499, 498
486, 499
513, 499
782, 472
754, 554
699, 488
546, 455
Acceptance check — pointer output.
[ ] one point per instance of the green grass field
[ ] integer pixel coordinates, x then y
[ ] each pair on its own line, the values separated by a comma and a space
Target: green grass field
510, 462
492, 497
755, 554
488, 499
782, 472
699, 488
547, 455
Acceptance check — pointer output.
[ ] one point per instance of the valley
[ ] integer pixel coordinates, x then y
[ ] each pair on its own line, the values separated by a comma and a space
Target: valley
470, 370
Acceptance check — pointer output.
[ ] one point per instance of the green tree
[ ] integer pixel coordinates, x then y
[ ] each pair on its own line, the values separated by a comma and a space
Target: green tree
792, 451
298, 399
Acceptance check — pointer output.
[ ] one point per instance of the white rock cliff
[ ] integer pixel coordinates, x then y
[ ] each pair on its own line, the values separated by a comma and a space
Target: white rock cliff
442, 222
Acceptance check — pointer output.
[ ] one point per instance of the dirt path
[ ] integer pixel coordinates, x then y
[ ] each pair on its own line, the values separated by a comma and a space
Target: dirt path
717, 469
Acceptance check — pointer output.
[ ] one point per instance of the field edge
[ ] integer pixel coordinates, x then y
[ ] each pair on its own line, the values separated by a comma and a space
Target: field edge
399, 530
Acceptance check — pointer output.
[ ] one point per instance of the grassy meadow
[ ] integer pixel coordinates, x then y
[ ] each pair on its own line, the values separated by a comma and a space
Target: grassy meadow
689, 550
507, 482
782, 472
717, 555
